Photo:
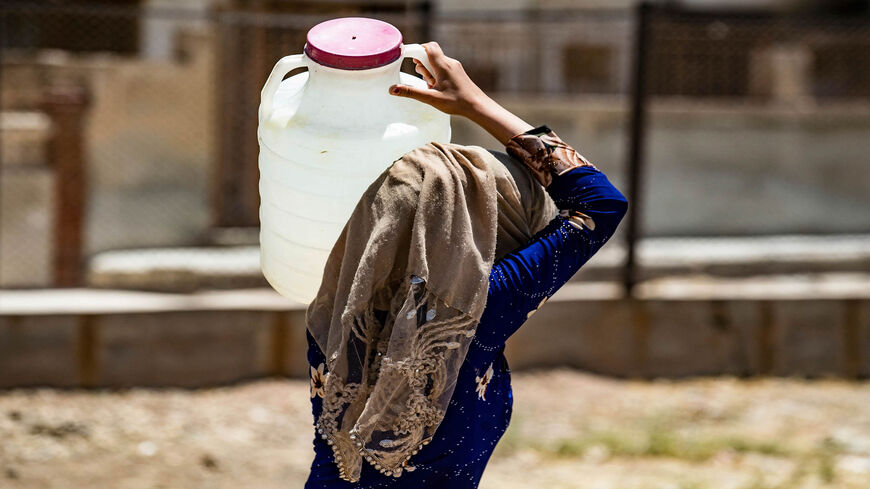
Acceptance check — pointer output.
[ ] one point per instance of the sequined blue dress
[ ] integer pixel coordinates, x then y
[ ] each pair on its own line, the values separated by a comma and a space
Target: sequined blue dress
482, 403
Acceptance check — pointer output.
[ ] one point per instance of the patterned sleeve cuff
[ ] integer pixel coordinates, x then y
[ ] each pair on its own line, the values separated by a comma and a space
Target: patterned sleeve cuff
545, 154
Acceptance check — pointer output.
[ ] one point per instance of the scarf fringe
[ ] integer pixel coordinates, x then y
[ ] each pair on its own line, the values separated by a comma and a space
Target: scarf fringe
421, 375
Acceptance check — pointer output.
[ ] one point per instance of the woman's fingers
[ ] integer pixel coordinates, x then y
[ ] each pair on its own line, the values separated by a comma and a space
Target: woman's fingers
427, 96
436, 57
433, 50
425, 73
450, 89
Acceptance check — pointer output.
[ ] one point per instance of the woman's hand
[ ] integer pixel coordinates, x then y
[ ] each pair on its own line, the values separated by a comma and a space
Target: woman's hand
452, 91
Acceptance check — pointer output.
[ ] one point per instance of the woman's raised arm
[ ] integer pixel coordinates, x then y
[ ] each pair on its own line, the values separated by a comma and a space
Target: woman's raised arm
590, 209
452, 91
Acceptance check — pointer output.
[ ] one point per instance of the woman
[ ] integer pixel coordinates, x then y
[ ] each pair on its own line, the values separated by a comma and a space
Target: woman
590, 209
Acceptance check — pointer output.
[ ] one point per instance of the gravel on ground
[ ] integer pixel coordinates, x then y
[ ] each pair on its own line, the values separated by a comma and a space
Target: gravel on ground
569, 429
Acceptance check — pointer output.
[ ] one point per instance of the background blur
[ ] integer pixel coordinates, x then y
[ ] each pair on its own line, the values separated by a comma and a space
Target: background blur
739, 130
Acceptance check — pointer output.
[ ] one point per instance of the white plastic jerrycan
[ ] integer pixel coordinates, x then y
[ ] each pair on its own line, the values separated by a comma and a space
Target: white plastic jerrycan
325, 135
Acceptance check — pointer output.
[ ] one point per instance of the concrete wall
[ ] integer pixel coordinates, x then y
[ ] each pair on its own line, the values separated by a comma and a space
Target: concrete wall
673, 338
26, 200
632, 338
180, 348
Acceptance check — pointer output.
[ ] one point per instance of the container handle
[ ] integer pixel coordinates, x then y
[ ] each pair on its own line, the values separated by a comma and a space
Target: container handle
418, 52
282, 67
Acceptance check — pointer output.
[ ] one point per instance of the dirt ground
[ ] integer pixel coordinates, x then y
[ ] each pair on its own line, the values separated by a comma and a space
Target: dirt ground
569, 430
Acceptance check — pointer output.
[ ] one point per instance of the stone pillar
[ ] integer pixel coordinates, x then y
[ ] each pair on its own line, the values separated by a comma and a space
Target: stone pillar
782, 73
66, 106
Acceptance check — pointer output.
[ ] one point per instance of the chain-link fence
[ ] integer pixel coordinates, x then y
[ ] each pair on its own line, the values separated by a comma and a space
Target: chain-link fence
748, 125
159, 188
129, 132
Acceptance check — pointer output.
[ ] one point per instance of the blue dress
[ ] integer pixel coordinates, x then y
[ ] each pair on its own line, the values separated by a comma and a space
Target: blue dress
482, 403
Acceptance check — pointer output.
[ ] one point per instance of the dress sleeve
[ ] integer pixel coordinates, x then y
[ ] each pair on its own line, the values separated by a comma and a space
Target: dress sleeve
590, 208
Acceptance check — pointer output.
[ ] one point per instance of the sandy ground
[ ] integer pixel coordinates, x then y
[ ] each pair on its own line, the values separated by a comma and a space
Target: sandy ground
569, 430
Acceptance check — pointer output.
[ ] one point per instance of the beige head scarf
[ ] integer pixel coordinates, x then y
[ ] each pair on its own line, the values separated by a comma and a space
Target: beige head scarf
419, 245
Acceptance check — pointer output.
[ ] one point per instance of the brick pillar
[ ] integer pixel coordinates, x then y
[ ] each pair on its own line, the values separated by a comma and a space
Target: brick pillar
66, 106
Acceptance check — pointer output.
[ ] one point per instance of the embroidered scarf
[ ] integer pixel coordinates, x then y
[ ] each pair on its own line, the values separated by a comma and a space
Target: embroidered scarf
418, 248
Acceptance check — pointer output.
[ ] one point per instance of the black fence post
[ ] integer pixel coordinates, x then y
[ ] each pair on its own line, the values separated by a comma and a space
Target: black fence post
425, 13
637, 130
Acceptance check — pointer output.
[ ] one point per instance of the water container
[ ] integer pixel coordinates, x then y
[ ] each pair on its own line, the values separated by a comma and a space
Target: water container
325, 135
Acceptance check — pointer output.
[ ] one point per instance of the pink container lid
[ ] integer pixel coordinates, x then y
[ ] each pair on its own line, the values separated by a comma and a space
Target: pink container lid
354, 43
